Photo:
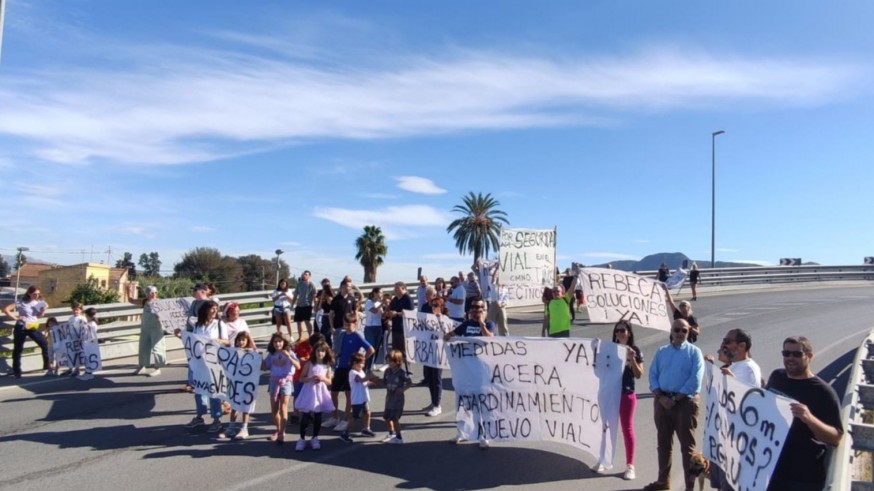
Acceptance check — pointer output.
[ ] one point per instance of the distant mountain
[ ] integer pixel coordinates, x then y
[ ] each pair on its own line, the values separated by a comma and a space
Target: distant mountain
674, 260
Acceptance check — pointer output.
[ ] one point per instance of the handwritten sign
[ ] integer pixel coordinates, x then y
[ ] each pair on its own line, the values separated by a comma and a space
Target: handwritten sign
423, 334
613, 295
745, 429
222, 372
536, 389
171, 312
67, 343
527, 263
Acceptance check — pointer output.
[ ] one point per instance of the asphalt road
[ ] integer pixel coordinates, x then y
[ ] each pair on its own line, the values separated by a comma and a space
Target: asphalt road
121, 431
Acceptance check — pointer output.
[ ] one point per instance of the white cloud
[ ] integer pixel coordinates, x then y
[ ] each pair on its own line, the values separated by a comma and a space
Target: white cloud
171, 105
396, 222
202, 229
39, 190
380, 196
725, 249
419, 185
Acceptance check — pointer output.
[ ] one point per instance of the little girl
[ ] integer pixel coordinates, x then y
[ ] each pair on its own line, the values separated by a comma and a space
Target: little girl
282, 363
88, 335
242, 340
79, 325
397, 380
314, 398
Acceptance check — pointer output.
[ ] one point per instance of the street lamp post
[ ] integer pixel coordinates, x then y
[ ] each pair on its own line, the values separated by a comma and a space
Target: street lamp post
278, 253
713, 203
21, 251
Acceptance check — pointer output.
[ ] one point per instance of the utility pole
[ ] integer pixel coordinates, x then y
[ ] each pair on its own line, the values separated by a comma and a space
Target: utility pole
18, 272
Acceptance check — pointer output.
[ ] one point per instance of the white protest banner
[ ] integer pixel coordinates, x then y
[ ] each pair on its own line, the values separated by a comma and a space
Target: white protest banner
207, 376
613, 295
677, 279
745, 428
539, 389
91, 352
423, 334
172, 312
67, 344
243, 370
222, 372
527, 259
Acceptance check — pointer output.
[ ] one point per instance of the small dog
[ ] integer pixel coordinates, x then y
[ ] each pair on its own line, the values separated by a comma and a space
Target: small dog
700, 468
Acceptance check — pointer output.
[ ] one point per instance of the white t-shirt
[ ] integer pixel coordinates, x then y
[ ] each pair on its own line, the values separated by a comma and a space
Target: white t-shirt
371, 319
747, 371
212, 330
420, 297
456, 310
284, 300
236, 327
358, 389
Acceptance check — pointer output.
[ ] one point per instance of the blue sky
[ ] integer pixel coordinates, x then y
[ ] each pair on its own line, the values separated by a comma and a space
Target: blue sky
251, 126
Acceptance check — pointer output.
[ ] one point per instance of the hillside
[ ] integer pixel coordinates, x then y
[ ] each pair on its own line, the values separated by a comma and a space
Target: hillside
673, 259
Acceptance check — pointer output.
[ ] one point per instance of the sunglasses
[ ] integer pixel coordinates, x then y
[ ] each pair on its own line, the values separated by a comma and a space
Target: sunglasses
681, 329
793, 354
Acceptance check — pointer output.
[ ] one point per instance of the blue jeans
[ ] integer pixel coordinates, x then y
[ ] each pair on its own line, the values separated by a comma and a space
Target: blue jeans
373, 335
19, 336
215, 406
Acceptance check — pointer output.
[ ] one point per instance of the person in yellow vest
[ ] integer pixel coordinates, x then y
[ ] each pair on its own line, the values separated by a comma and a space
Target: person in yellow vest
558, 310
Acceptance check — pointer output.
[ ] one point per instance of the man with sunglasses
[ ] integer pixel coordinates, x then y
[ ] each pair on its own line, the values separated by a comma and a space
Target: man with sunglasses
675, 378
816, 424
737, 344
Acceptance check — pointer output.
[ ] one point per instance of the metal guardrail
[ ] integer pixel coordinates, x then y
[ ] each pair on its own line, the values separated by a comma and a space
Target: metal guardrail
851, 464
119, 336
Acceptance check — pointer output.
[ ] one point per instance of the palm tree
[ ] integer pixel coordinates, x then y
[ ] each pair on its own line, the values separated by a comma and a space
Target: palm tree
479, 230
371, 251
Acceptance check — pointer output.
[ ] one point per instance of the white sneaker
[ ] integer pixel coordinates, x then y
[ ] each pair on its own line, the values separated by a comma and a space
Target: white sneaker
341, 426
300, 445
395, 441
241, 435
629, 474
435, 411
315, 444
388, 438
602, 468
140, 371
329, 423
85, 376
155, 373
483, 444
457, 439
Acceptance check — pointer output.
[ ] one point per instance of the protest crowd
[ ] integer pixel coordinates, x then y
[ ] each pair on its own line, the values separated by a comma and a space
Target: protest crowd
336, 345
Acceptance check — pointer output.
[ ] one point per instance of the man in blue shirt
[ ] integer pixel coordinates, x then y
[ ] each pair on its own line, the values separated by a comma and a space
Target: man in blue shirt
675, 377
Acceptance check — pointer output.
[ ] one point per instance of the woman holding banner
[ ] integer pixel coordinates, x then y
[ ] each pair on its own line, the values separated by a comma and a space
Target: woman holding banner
683, 310
151, 337
434, 376
28, 309
624, 335
208, 325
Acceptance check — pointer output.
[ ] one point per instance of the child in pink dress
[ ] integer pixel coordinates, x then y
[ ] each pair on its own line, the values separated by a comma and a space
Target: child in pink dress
315, 398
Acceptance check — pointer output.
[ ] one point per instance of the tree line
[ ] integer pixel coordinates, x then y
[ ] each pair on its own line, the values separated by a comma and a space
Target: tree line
476, 232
